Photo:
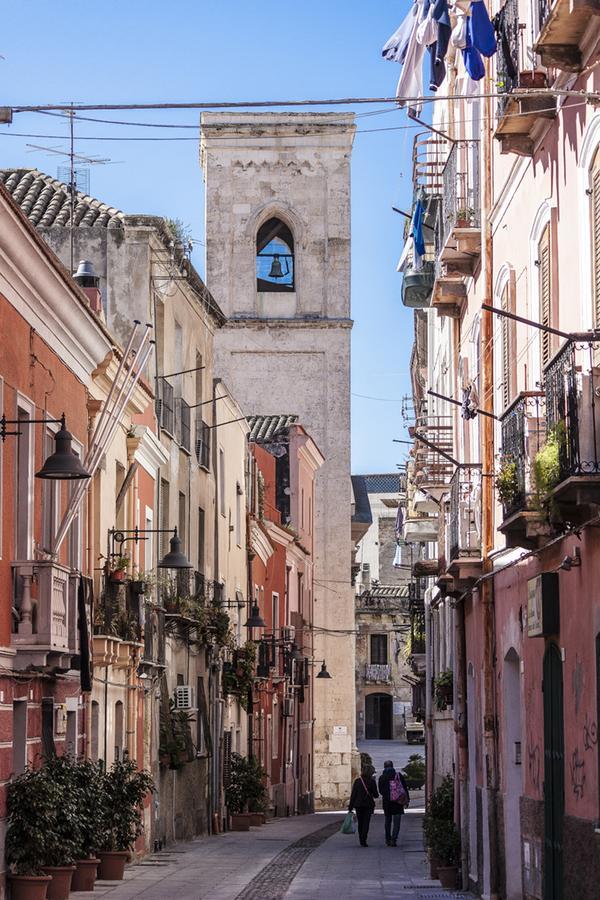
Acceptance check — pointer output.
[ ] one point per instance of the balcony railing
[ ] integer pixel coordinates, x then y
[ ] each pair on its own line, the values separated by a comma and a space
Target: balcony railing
183, 425
460, 198
377, 672
523, 435
464, 524
507, 72
572, 383
544, 9
166, 405
203, 443
45, 596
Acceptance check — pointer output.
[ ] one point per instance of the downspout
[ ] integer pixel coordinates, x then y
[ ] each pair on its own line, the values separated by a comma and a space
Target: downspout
430, 752
462, 746
486, 590
213, 669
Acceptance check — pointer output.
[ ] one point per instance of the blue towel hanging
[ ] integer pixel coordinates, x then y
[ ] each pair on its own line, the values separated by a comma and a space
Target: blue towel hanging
481, 29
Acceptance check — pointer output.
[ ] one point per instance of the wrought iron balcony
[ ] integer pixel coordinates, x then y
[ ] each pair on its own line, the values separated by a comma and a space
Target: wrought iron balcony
463, 533
518, 113
377, 672
562, 26
45, 596
203, 443
523, 436
165, 407
461, 207
571, 463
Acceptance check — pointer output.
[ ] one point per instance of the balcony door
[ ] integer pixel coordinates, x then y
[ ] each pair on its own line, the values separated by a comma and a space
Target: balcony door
378, 717
554, 774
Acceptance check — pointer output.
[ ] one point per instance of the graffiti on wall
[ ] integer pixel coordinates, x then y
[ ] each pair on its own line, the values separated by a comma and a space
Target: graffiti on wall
534, 764
577, 768
590, 733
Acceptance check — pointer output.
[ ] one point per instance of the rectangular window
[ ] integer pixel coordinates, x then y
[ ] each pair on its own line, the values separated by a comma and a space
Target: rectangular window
200, 736
71, 734
221, 482
19, 736
121, 517
199, 381
275, 736
379, 649
506, 360
25, 492
164, 516
275, 614
50, 495
201, 539
269, 753
182, 521
545, 276
595, 218
48, 726
238, 515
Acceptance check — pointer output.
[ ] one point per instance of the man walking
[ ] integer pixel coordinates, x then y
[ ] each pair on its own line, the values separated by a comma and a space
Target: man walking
395, 796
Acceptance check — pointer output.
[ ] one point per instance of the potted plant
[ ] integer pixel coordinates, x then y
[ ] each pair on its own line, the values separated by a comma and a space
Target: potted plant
546, 463
507, 481
414, 772
89, 780
31, 810
245, 795
441, 837
62, 841
123, 792
120, 568
443, 687
464, 216
238, 676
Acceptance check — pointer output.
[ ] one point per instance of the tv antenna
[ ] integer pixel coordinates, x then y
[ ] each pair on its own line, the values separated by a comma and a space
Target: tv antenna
73, 172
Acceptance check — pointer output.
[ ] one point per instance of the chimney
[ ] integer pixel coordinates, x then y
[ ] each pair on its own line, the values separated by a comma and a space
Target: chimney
88, 281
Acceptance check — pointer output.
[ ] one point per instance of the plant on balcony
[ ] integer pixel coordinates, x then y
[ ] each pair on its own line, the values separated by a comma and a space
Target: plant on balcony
246, 791
414, 771
464, 216
546, 463
120, 566
215, 627
507, 481
443, 687
176, 745
238, 675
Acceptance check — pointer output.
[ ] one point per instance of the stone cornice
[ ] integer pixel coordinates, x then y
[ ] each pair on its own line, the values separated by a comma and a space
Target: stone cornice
150, 453
260, 543
304, 322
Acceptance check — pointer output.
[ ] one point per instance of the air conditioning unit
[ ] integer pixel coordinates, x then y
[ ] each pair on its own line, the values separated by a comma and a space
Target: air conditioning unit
184, 697
288, 633
287, 708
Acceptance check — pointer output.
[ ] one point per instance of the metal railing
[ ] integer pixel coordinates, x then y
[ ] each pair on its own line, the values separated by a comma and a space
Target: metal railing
203, 443
378, 672
166, 406
572, 384
183, 425
429, 156
544, 8
460, 198
507, 74
523, 435
464, 523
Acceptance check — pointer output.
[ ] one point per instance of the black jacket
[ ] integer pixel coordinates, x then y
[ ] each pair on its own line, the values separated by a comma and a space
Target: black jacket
390, 806
361, 798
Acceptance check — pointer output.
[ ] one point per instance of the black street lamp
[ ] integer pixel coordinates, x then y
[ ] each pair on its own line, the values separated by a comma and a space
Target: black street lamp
323, 673
174, 559
63, 464
255, 620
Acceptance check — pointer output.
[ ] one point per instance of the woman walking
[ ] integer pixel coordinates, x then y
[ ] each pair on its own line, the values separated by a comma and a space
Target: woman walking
394, 794
362, 800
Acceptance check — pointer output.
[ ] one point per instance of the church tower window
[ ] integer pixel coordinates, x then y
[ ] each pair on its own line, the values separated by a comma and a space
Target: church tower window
274, 257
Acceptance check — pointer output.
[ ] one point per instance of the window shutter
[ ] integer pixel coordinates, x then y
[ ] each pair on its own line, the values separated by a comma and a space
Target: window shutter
545, 293
595, 221
505, 351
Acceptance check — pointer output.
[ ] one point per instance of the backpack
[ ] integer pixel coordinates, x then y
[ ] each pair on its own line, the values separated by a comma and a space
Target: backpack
398, 792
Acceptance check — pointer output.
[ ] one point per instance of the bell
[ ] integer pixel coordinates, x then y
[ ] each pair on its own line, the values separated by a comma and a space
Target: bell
276, 270
255, 620
323, 673
63, 464
175, 559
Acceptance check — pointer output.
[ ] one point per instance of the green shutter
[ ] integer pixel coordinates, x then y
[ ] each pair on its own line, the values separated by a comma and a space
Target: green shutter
544, 261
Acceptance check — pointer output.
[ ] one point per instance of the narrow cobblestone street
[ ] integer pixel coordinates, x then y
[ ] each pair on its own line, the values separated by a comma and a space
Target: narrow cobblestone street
298, 858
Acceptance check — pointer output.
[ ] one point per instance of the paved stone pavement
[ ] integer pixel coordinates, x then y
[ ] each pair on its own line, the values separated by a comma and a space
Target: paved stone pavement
300, 858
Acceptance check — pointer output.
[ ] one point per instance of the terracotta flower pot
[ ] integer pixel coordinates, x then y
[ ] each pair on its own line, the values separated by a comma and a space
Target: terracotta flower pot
112, 864
29, 887
241, 821
84, 876
448, 876
60, 886
257, 818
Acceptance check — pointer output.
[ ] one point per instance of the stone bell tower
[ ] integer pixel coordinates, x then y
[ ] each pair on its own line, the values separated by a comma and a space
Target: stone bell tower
278, 263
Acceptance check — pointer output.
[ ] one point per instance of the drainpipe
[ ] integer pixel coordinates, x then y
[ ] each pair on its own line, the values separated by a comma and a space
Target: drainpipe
486, 594
430, 752
460, 728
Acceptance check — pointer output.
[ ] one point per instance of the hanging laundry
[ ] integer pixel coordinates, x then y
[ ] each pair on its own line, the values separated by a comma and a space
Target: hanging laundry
427, 30
481, 29
399, 522
398, 557
469, 402
417, 235
395, 49
410, 83
501, 28
405, 255
459, 32
472, 59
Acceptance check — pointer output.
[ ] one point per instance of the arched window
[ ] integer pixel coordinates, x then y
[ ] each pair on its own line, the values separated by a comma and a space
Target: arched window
274, 257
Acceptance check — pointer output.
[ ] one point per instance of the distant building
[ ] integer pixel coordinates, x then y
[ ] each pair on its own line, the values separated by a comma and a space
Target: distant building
382, 567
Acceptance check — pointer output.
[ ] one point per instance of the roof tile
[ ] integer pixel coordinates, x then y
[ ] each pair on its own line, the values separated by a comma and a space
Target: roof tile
265, 428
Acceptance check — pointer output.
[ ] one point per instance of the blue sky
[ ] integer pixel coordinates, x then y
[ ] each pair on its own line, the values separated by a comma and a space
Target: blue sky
135, 51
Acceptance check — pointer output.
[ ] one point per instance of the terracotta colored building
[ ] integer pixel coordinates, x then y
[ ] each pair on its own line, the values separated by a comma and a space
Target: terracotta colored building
284, 462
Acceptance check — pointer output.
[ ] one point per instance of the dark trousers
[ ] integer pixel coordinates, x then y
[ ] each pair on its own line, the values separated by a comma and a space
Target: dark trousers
391, 834
363, 815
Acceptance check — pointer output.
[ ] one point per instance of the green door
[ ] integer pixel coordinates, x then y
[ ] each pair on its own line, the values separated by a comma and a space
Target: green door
554, 774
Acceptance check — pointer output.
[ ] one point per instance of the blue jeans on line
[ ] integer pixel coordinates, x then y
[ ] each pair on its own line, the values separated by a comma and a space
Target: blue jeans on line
391, 834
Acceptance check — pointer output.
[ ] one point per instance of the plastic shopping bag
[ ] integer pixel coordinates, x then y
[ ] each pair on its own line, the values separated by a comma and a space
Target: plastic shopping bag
349, 824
